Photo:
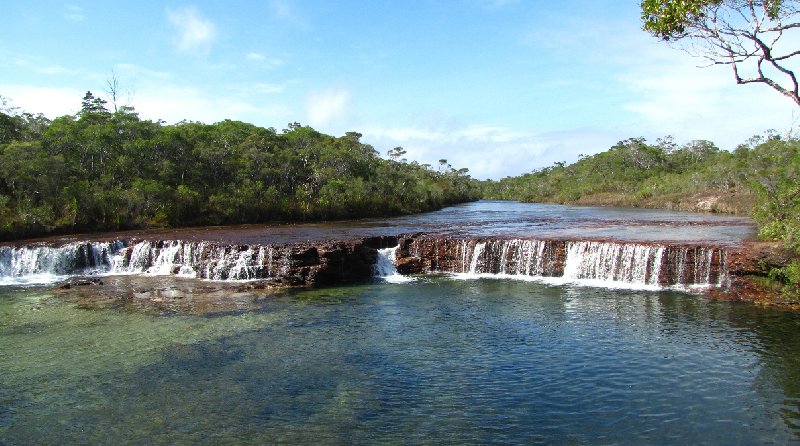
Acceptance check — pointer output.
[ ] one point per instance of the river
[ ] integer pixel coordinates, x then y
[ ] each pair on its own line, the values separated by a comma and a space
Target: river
442, 359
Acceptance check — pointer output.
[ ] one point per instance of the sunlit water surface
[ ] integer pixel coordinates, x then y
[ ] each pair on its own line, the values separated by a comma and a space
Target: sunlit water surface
435, 361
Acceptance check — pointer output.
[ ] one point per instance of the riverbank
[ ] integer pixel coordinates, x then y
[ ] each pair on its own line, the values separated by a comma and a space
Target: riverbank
731, 202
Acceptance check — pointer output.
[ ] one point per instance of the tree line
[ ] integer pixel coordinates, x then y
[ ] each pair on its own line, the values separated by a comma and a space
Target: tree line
111, 170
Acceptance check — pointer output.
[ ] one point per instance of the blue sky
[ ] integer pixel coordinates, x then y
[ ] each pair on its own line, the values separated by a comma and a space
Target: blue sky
501, 87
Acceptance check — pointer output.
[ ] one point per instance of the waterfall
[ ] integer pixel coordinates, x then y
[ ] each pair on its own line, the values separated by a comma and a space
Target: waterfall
45, 264
385, 267
696, 267
632, 264
476, 254
609, 264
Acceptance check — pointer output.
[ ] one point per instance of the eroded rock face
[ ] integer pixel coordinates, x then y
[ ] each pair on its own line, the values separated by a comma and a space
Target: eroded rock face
338, 262
329, 263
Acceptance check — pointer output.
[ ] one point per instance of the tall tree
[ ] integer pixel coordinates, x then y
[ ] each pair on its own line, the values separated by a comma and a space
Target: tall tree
93, 107
753, 37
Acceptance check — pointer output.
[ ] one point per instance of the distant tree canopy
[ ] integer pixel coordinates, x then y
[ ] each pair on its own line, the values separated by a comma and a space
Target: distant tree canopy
753, 37
632, 172
104, 170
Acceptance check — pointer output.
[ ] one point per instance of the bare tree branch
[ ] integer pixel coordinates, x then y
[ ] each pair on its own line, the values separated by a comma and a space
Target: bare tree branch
749, 35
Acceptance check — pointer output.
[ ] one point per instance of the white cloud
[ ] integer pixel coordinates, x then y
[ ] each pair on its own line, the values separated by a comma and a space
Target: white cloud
176, 103
284, 11
489, 151
51, 102
324, 108
194, 31
659, 90
689, 102
475, 133
673, 94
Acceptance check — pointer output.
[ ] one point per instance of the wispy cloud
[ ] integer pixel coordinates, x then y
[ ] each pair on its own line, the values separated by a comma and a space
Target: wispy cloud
264, 60
74, 13
194, 32
323, 108
133, 71
246, 90
495, 4
668, 92
489, 151
284, 11
268, 88
475, 133
174, 103
696, 103
40, 66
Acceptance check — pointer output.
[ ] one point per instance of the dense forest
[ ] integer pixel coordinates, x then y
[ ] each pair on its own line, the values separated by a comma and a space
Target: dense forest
760, 178
105, 169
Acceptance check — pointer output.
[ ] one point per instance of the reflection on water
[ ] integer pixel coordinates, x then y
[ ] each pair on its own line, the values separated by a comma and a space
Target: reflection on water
429, 362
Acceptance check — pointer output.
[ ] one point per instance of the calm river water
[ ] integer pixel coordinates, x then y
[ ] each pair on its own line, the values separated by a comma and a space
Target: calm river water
433, 361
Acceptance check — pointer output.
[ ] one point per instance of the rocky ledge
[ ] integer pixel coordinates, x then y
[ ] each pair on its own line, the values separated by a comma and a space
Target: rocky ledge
723, 271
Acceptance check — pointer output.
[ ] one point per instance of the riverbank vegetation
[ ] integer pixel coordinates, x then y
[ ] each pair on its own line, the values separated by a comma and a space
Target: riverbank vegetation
760, 179
109, 170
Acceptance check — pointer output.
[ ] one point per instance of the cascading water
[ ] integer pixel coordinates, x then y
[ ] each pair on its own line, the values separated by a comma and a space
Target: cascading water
613, 263
598, 263
385, 266
609, 264
476, 255
46, 264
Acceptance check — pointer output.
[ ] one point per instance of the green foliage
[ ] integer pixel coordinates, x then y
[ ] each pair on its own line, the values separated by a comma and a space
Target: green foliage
789, 277
102, 170
775, 176
669, 19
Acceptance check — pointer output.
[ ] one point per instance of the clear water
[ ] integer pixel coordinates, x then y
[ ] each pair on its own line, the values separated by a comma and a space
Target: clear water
435, 361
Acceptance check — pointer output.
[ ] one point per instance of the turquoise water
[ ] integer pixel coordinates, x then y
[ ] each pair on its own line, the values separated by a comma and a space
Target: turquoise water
436, 361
